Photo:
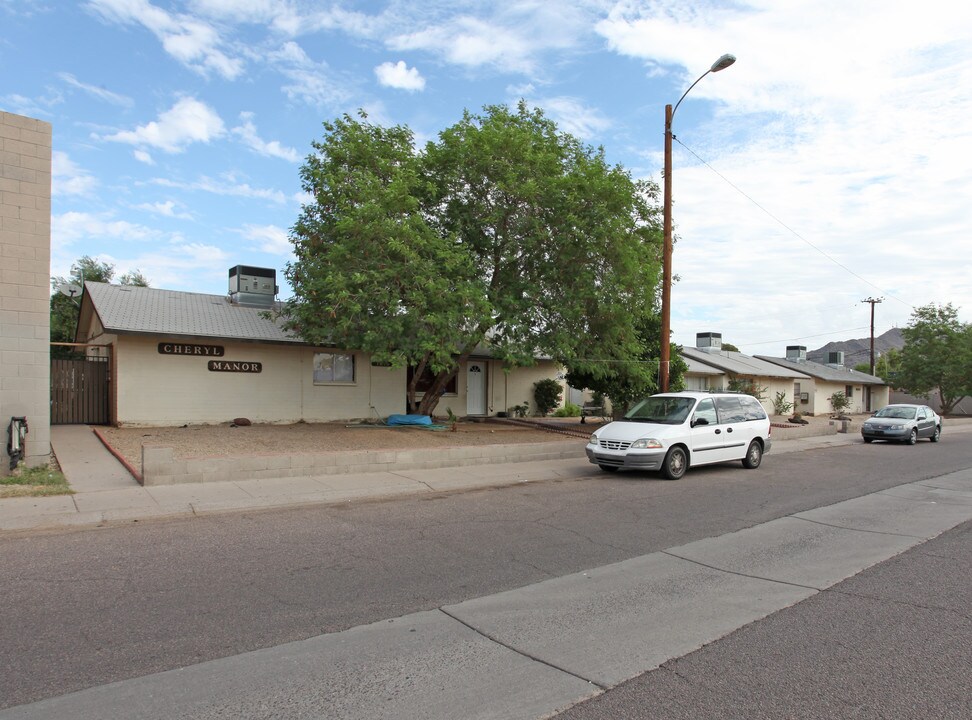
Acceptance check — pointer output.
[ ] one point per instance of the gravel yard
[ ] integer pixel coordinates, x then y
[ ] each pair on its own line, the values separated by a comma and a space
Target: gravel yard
227, 441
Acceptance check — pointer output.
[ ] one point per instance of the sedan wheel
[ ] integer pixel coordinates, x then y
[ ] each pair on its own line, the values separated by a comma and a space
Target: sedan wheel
913, 438
936, 436
676, 463
754, 456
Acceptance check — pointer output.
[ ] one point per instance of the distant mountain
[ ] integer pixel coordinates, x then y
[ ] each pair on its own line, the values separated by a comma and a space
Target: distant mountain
859, 351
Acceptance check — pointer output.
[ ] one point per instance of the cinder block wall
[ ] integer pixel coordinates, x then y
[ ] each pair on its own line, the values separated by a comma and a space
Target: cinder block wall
25, 269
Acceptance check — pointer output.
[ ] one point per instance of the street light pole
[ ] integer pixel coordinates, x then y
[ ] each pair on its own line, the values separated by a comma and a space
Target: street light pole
666, 320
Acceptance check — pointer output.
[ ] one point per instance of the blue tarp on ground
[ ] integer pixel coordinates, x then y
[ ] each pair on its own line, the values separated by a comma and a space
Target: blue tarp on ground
409, 420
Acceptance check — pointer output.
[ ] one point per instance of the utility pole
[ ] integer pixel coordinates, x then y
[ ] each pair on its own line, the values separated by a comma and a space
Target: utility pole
873, 301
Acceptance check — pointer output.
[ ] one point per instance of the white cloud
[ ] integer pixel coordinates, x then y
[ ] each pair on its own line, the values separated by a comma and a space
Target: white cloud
310, 82
186, 122
191, 41
98, 92
399, 75
228, 187
166, 209
572, 116
69, 179
511, 37
143, 157
247, 133
70, 227
269, 239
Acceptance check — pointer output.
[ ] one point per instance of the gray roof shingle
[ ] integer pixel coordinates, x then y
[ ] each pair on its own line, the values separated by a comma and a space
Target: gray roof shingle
826, 372
737, 363
131, 309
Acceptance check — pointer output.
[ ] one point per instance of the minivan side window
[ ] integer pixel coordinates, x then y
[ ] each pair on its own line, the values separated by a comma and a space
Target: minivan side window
752, 407
730, 410
706, 411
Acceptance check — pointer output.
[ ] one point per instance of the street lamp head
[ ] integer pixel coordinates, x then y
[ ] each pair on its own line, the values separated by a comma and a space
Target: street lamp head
722, 63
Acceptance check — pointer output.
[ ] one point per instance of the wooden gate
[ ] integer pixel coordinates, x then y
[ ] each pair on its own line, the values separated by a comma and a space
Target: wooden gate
80, 391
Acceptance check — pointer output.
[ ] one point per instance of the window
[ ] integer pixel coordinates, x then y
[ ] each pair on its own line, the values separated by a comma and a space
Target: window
425, 382
849, 391
730, 410
706, 411
333, 369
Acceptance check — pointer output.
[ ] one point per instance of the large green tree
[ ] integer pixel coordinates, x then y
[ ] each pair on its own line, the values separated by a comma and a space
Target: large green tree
502, 232
633, 378
65, 308
937, 356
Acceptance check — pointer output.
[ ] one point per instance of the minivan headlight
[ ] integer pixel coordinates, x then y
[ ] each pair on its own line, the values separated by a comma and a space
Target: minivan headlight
593, 440
646, 443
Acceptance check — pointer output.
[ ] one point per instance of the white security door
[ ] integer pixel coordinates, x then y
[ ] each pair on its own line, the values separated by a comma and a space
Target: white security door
476, 389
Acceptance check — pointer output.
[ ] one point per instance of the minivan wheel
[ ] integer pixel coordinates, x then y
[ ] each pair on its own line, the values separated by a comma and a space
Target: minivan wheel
754, 456
676, 463
913, 438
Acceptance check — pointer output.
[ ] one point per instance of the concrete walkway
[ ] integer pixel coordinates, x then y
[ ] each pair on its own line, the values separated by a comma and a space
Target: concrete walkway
106, 492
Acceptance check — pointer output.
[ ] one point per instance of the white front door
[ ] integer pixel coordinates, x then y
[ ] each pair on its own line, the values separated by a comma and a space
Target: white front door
476, 388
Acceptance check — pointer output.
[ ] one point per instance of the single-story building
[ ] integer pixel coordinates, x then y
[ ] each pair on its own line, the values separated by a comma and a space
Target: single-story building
179, 358
708, 356
866, 393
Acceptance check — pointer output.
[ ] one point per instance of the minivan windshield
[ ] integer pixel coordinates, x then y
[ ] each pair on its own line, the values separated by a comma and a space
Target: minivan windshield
662, 410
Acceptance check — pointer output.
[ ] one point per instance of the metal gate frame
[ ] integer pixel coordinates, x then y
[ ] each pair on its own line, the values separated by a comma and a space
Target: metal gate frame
81, 390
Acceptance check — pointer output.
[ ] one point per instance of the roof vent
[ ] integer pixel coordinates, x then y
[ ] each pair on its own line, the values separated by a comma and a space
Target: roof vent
796, 353
709, 342
252, 286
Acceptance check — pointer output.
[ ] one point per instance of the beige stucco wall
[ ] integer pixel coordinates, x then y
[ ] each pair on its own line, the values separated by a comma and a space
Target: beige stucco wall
158, 389
821, 390
25, 268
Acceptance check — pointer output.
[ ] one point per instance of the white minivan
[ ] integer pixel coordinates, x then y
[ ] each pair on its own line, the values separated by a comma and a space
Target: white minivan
674, 431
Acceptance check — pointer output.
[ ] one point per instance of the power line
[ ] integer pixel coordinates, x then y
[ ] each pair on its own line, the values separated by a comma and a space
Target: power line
787, 227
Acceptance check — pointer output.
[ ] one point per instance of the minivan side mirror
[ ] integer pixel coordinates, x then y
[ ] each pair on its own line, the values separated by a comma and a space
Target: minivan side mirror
699, 421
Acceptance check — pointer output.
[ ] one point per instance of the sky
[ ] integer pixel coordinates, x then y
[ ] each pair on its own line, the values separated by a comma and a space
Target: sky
829, 165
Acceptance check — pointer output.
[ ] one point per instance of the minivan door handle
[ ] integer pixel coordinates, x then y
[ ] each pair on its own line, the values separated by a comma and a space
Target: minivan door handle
718, 431
728, 429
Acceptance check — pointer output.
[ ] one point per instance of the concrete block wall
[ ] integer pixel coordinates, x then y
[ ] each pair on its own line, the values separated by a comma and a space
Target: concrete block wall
25, 269
161, 467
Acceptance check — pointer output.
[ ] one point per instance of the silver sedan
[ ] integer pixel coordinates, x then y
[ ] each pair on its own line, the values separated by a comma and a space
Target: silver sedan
903, 423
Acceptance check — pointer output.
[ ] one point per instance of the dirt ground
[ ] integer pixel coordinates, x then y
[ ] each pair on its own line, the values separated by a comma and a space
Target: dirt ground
228, 441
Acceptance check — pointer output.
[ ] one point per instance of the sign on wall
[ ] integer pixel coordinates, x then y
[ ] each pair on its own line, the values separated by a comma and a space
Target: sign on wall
190, 349
235, 366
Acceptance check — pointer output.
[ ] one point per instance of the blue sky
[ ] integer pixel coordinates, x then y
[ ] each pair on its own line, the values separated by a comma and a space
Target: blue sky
828, 165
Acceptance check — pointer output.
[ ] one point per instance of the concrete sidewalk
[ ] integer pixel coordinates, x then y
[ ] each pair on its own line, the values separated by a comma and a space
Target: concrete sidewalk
106, 492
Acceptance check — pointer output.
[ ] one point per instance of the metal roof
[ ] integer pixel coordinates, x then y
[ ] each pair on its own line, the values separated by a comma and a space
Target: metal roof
694, 366
132, 309
827, 373
737, 363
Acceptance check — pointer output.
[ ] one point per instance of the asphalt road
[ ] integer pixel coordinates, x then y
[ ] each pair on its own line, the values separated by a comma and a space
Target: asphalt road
89, 607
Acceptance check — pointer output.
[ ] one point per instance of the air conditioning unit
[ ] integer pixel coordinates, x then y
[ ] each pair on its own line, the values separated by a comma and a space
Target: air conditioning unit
252, 285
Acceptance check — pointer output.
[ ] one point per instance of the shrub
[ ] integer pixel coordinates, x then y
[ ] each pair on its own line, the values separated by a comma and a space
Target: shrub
839, 402
568, 410
520, 410
781, 406
546, 394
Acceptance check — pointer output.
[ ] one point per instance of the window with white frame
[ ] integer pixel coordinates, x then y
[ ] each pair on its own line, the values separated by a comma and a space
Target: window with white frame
333, 368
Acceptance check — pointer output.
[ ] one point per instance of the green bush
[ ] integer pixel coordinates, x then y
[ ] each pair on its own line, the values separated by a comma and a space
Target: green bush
568, 410
781, 406
546, 395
